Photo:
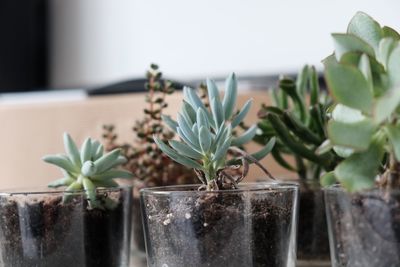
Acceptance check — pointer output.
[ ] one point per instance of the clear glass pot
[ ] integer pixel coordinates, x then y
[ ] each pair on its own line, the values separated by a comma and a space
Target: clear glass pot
254, 225
364, 228
312, 239
38, 229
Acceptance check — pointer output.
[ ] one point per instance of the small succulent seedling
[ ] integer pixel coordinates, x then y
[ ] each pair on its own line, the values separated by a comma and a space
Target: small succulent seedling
87, 169
206, 136
363, 76
298, 119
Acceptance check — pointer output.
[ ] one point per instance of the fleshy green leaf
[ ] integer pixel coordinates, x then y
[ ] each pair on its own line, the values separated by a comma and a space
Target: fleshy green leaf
212, 89
356, 135
72, 150
61, 161
394, 67
259, 155
188, 113
358, 171
389, 32
229, 102
175, 156
204, 139
348, 85
201, 119
349, 43
172, 124
112, 174
187, 141
366, 28
106, 161
246, 137
394, 137
187, 130
185, 150
94, 149
365, 68
66, 181
99, 152
221, 151
86, 151
90, 191
388, 102
217, 111
386, 46
88, 169
242, 113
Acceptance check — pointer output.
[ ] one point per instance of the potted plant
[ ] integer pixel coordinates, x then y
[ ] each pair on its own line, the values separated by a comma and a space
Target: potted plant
144, 159
363, 76
219, 222
87, 224
297, 118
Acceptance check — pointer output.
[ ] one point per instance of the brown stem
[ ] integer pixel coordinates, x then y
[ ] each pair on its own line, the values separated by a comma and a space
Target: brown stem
393, 179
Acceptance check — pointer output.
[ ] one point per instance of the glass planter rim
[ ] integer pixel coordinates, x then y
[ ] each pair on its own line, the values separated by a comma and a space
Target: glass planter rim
373, 191
46, 190
243, 188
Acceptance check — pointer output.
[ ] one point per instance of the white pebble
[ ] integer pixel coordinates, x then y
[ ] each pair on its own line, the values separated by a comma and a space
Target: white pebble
187, 215
205, 224
167, 221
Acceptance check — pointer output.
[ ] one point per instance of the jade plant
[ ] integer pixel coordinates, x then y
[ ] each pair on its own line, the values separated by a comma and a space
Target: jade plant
363, 76
87, 169
206, 137
148, 164
297, 118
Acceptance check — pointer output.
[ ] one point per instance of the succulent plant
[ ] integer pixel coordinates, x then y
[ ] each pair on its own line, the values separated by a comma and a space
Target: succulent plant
144, 159
298, 119
87, 169
363, 76
206, 136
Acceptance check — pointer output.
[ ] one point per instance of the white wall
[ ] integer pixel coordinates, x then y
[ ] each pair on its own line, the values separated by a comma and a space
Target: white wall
100, 41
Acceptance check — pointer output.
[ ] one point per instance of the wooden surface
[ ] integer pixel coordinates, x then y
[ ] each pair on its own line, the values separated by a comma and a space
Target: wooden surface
30, 131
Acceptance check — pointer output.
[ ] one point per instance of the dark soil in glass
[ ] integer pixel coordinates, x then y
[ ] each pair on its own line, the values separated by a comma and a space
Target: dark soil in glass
40, 230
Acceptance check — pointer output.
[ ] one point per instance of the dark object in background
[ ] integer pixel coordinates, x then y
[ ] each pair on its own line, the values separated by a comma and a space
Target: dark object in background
23, 46
130, 86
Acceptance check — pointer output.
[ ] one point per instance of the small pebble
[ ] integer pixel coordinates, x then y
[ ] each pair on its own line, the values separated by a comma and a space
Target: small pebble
205, 224
187, 215
167, 221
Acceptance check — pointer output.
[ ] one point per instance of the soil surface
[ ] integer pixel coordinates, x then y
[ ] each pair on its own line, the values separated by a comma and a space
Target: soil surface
44, 232
366, 231
219, 230
312, 238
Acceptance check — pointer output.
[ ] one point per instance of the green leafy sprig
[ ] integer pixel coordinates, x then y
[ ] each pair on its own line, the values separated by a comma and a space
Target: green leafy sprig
298, 118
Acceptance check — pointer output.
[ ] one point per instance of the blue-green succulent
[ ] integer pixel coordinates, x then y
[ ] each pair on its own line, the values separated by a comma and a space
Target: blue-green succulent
87, 169
206, 135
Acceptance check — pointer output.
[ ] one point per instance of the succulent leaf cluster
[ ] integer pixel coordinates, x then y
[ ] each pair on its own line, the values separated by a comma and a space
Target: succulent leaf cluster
206, 133
144, 159
363, 76
88, 168
298, 117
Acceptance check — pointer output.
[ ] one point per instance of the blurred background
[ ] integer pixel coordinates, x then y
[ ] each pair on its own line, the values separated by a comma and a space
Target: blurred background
47, 45
86, 43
